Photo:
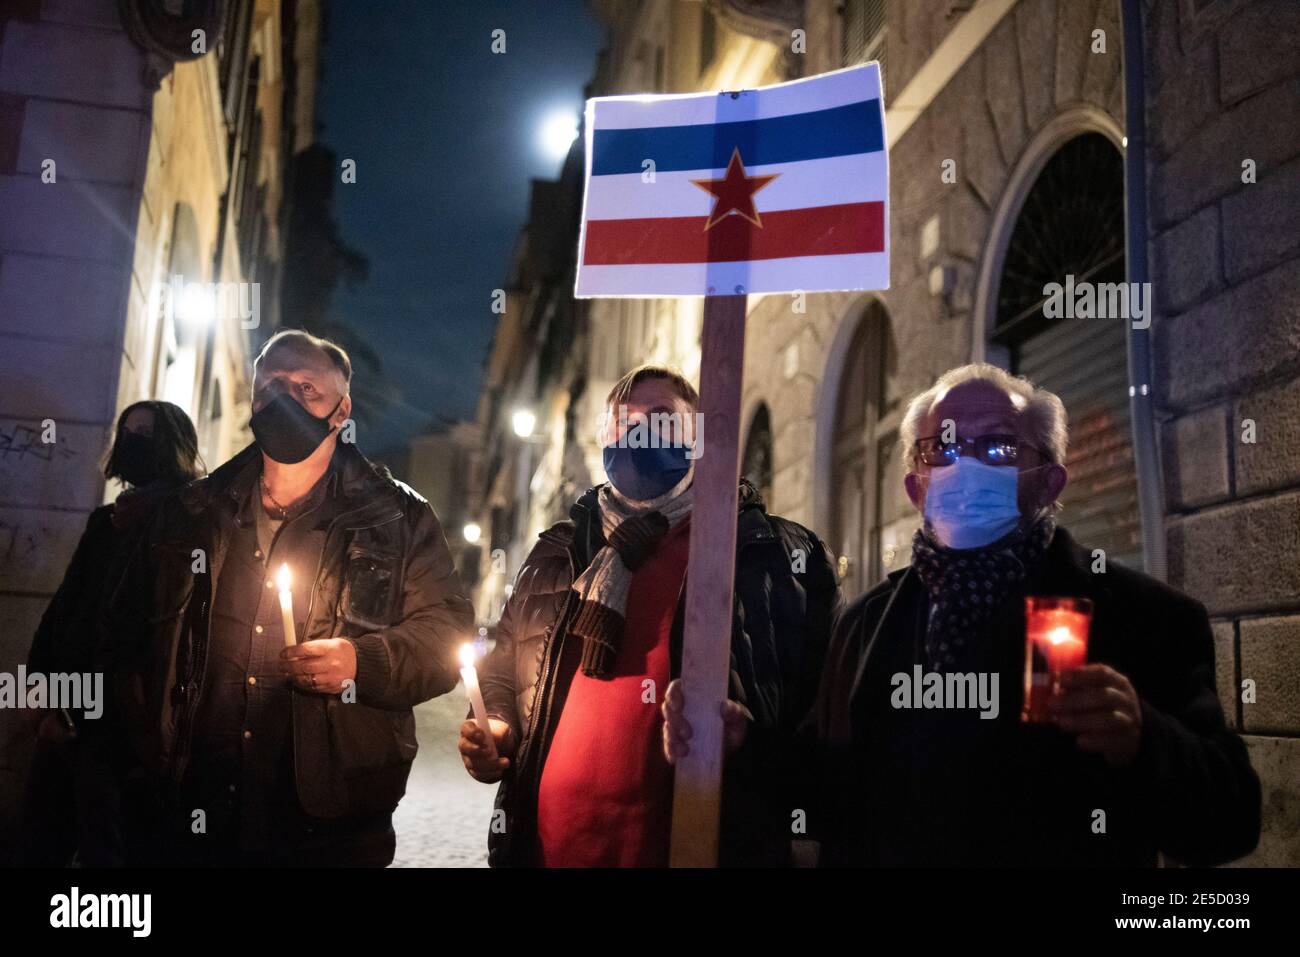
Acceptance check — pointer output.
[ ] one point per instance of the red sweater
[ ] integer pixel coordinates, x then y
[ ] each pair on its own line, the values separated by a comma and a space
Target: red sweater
606, 790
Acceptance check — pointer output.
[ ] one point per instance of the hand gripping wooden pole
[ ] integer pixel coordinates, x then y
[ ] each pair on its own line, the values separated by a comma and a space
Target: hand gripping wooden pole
710, 574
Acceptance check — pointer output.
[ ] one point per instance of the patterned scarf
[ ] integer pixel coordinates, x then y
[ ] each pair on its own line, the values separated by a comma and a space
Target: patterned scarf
966, 586
633, 530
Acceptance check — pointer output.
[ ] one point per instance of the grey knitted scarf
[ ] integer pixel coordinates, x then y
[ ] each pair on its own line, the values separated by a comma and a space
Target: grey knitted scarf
632, 530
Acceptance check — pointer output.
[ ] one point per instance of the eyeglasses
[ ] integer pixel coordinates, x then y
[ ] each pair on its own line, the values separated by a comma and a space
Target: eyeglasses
989, 449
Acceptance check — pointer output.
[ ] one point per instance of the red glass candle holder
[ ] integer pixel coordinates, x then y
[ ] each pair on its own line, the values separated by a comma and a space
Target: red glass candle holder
1056, 639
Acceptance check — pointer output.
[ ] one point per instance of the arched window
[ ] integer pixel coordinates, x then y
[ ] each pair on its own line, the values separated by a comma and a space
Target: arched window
871, 519
1072, 225
756, 464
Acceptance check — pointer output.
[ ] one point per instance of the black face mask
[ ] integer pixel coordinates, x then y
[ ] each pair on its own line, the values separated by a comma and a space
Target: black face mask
287, 432
134, 461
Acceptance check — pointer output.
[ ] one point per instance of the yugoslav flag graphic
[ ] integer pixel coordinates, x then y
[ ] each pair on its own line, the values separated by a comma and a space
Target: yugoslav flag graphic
778, 189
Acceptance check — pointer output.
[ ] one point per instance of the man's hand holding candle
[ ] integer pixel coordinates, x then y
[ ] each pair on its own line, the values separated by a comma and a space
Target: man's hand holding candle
322, 665
1098, 705
483, 763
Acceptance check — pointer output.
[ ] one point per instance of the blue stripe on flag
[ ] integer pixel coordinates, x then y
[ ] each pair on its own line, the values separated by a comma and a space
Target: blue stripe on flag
838, 131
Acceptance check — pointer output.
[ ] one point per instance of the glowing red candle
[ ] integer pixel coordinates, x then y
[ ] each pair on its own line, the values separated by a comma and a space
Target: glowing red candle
1056, 639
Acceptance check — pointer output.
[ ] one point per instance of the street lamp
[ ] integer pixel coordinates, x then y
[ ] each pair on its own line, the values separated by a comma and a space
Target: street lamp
523, 422
472, 532
196, 304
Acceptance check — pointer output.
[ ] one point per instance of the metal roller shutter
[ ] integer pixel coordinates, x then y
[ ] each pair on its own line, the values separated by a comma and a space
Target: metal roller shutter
1084, 361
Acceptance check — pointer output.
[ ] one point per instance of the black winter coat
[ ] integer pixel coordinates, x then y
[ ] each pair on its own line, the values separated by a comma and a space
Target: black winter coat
781, 627
892, 792
69, 636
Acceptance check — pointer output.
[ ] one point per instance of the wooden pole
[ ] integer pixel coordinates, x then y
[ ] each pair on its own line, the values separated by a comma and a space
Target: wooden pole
710, 581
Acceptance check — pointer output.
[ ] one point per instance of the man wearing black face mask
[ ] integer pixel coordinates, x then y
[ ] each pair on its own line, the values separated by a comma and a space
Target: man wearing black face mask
295, 747
591, 637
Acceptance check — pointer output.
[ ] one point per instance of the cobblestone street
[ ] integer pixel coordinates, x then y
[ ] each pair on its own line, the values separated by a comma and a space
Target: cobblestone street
443, 820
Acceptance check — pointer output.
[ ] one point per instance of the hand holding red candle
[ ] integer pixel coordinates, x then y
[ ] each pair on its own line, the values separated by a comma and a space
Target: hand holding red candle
1100, 706
1056, 640
1094, 702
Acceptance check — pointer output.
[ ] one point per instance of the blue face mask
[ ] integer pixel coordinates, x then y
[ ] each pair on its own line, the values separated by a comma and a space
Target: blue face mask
641, 474
970, 504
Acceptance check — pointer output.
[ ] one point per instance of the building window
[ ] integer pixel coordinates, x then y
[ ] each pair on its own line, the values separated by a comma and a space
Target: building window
210, 440
249, 198
871, 520
708, 38
1072, 224
232, 55
182, 328
756, 464
862, 34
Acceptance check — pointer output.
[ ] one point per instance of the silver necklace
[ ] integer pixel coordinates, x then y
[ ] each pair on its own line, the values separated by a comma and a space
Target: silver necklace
284, 512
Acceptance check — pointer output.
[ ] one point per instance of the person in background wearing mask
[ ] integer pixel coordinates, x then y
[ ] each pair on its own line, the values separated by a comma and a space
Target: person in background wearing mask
72, 802
287, 752
592, 634
1136, 760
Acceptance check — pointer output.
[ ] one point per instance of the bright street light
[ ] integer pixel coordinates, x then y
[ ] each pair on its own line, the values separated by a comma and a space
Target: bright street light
472, 532
197, 305
523, 422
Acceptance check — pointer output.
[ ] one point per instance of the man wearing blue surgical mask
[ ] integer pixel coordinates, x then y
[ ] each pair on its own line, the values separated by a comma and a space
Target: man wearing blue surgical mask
591, 637
1137, 732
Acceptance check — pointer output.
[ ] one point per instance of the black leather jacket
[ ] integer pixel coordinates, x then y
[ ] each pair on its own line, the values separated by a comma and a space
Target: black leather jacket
386, 581
786, 599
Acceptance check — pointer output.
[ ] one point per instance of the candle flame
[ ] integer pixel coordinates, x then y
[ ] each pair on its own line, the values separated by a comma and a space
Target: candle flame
1058, 635
467, 655
283, 578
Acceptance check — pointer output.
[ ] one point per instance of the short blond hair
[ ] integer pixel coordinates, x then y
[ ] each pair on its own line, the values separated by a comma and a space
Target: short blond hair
1046, 424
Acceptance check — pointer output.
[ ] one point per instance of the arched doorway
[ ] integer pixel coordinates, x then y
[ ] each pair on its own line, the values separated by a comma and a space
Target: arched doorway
1071, 224
756, 463
869, 513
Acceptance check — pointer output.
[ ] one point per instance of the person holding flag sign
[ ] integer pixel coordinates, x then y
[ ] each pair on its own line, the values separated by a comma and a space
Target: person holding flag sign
781, 189
592, 635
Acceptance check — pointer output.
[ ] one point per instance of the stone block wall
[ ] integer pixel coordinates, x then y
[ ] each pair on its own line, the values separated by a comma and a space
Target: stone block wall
1224, 92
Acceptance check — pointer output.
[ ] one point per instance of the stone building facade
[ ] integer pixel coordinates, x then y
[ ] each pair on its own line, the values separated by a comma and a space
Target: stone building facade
1006, 129
140, 147
442, 464
1224, 174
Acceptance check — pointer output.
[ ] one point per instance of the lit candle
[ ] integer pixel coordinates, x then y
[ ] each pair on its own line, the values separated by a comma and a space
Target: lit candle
1056, 640
1066, 652
469, 674
285, 580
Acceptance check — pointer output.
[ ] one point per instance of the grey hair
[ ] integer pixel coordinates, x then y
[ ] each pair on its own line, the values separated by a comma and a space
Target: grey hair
1045, 422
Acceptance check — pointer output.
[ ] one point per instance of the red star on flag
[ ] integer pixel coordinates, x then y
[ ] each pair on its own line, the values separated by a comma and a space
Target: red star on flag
734, 192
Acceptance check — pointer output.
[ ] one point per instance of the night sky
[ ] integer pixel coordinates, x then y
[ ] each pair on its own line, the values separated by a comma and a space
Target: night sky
446, 136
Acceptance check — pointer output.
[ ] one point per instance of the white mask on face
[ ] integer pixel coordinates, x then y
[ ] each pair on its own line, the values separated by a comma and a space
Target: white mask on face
970, 504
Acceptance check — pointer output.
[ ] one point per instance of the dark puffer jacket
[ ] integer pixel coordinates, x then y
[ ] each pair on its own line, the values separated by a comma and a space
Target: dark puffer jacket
786, 600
